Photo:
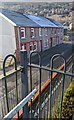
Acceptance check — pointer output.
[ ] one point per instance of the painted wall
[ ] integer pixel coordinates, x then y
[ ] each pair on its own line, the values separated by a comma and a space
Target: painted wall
7, 38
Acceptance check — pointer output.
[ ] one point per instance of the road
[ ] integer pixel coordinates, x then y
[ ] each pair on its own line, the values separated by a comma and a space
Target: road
65, 49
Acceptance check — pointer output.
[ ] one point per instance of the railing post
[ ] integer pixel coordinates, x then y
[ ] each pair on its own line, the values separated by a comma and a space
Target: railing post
24, 80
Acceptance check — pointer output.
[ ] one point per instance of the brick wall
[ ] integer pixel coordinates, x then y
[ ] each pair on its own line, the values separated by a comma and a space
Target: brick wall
53, 37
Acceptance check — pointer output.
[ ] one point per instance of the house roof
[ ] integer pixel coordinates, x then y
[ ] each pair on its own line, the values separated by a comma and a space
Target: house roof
29, 20
56, 23
43, 22
18, 18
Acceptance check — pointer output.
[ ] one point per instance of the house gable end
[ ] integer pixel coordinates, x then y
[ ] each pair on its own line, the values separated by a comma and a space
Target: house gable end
7, 19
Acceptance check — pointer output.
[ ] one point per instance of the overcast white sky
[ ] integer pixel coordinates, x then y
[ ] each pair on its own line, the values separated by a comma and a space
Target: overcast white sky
36, 0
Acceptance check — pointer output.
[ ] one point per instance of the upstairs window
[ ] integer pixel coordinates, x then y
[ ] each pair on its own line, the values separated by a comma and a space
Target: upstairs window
32, 32
55, 31
58, 31
40, 31
51, 30
22, 33
46, 31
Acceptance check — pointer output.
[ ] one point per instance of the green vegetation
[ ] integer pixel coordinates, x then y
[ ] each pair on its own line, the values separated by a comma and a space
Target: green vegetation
66, 37
67, 105
68, 102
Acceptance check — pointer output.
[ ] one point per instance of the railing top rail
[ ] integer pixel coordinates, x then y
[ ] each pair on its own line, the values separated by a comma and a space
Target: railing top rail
20, 105
53, 70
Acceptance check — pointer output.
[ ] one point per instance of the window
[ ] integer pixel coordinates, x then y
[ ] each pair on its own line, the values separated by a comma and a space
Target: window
55, 31
31, 46
46, 43
58, 31
22, 33
35, 46
61, 30
51, 30
22, 47
32, 32
40, 31
46, 31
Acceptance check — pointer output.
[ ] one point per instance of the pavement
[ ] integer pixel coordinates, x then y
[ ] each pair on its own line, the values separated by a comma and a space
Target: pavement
65, 49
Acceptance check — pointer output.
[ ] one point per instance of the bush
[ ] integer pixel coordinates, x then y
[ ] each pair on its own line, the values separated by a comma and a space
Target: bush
68, 103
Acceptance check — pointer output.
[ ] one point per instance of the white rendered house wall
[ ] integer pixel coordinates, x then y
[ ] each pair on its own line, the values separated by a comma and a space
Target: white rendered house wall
7, 37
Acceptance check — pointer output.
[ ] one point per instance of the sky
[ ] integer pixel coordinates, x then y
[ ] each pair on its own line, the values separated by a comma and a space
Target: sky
36, 0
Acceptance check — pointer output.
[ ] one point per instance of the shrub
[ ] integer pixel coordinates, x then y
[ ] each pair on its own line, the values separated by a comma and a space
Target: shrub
68, 103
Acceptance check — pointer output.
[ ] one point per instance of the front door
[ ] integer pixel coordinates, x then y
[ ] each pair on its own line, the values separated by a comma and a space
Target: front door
50, 41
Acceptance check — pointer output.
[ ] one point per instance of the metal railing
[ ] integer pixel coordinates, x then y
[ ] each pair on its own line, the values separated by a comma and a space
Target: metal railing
43, 101
20, 105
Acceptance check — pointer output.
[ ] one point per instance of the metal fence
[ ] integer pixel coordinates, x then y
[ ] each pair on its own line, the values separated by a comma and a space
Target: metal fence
43, 84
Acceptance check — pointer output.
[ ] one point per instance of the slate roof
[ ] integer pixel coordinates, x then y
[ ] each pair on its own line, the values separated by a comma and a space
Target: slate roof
56, 23
29, 20
43, 22
18, 18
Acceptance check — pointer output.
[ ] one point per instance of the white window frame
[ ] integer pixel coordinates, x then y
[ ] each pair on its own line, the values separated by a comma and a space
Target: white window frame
32, 31
55, 31
40, 31
46, 31
36, 46
22, 30
31, 44
51, 30
46, 43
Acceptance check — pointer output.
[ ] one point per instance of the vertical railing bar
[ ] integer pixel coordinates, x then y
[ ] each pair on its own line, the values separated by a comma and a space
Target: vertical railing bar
24, 80
31, 85
4, 72
16, 84
63, 80
53, 57
47, 107
5, 83
3, 97
40, 79
51, 64
40, 87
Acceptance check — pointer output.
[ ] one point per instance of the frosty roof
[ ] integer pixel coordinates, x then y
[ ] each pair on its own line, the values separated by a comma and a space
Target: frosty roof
43, 22
29, 20
56, 23
18, 18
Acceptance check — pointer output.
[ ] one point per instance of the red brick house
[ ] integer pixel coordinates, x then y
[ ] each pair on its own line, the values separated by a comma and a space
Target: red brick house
33, 33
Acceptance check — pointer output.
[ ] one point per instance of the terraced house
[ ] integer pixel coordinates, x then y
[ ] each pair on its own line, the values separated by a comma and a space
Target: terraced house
25, 31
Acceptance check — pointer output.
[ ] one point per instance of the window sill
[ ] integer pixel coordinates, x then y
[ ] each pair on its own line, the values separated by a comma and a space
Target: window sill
23, 39
32, 37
